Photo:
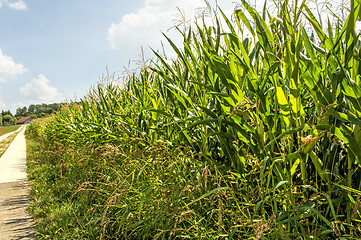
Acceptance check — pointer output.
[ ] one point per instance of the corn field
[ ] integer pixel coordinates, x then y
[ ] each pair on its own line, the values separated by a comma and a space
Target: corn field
273, 108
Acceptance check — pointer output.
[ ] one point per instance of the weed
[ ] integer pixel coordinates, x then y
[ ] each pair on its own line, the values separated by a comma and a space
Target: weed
236, 137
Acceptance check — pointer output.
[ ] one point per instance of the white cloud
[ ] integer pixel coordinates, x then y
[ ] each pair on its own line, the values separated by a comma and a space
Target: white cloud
145, 27
8, 68
39, 89
19, 5
2, 102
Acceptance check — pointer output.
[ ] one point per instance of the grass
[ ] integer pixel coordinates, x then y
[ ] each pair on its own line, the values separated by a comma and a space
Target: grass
167, 193
6, 143
7, 129
238, 137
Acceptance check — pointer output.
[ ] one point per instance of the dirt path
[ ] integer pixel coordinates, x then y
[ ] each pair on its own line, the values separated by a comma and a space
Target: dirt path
15, 222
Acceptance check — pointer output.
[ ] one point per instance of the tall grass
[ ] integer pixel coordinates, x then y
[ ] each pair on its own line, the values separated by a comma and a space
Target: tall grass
274, 118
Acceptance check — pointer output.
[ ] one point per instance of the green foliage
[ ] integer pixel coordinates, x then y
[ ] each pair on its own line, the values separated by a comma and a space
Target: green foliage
275, 117
34, 130
8, 119
38, 110
8, 129
82, 193
21, 112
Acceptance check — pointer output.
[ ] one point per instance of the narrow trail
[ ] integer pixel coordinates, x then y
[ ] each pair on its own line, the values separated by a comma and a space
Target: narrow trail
15, 222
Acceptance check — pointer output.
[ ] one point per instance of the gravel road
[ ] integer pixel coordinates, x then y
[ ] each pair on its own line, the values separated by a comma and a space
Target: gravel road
15, 222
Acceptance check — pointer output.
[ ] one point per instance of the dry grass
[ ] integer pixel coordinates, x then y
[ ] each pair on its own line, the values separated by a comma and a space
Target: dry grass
6, 143
237, 136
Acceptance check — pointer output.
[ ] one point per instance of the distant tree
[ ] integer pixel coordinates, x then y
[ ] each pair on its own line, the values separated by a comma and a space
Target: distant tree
8, 119
39, 108
33, 116
34, 110
31, 108
55, 106
21, 112
48, 110
18, 112
3, 113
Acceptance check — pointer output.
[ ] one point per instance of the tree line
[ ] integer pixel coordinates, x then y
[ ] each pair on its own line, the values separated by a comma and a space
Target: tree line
34, 111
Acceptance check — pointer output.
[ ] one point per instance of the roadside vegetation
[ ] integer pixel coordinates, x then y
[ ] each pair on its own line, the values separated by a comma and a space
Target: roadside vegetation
253, 131
7, 129
6, 142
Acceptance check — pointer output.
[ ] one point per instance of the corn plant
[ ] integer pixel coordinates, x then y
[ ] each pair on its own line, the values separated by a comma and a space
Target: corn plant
279, 110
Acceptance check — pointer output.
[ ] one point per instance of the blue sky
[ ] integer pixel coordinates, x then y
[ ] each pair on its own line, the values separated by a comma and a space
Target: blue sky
54, 51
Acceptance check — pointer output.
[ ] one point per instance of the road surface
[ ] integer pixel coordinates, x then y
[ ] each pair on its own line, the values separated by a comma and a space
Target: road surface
15, 222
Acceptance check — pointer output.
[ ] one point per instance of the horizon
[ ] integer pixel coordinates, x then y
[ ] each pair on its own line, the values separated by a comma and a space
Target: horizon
56, 51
